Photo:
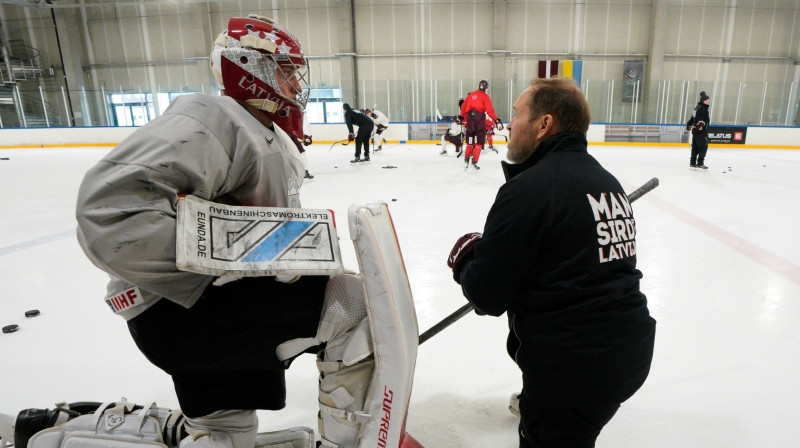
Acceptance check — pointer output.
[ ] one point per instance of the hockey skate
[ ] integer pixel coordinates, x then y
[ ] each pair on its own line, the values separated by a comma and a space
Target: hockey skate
356, 160
475, 165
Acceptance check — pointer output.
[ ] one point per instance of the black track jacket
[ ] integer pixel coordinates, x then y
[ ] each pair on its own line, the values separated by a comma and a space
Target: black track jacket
558, 254
701, 114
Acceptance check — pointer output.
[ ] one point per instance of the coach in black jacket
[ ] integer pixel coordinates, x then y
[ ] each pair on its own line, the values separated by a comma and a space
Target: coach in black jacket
558, 255
365, 127
700, 121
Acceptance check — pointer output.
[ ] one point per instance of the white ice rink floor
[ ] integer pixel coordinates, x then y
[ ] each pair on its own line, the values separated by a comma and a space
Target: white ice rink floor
720, 253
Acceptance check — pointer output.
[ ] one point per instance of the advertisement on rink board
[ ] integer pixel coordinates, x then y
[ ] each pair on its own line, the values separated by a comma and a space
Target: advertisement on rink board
729, 135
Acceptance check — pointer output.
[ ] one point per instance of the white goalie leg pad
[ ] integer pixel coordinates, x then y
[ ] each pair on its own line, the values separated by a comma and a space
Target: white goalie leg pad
365, 404
222, 429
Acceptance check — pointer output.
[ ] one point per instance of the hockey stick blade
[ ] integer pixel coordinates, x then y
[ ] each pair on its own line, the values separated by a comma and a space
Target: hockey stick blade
336, 143
464, 310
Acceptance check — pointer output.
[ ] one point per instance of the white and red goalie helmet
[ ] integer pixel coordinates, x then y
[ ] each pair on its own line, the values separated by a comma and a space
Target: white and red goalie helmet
258, 61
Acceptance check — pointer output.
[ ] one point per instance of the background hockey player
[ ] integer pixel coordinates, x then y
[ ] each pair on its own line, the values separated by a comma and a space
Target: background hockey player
490, 134
307, 141
365, 127
477, 105
580, 329
700, 120
226, 344
454, 135
381, 124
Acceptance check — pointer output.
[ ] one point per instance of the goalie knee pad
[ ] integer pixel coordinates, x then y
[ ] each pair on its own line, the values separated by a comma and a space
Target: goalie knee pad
342, 310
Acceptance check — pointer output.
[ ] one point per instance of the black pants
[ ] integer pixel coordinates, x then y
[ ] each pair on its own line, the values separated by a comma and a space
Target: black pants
699, 148
543, 426
455, 140
362, 139
221, 351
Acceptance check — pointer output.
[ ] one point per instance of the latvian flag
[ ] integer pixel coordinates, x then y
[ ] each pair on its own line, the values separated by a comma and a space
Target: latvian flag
548, 69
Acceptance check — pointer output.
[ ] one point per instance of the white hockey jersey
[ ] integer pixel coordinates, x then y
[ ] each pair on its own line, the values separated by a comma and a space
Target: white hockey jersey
380, 118
455, 129
205, 145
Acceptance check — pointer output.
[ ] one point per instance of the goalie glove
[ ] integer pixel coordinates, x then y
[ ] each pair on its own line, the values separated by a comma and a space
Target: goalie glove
461, 253
498, 124
351, 137
307, 140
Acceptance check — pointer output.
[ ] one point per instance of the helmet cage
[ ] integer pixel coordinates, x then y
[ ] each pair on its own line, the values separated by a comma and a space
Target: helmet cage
261, 63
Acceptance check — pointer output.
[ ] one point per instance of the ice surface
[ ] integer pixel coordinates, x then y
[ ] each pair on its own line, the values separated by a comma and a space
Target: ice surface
720, 253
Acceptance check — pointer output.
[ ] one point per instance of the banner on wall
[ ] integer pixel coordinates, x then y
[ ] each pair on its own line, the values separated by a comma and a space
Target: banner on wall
548, 68
632, 81
572, 69
727, 135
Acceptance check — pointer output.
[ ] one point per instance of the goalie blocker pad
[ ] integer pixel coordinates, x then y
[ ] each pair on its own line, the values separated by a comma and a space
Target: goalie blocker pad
393, 324
219, 239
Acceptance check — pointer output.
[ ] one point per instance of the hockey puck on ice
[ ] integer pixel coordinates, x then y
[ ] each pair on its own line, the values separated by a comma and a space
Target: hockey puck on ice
10, 328
31, 313
394, 200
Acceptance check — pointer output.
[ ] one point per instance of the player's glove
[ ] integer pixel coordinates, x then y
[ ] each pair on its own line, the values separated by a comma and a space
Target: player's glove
351, 137
498, 124
461, 253
307, 140
700, 125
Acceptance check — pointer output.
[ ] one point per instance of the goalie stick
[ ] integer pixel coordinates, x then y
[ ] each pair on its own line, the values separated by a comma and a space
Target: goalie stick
464, 310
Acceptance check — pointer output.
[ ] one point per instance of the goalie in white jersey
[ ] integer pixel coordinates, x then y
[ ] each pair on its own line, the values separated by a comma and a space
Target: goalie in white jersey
226, 345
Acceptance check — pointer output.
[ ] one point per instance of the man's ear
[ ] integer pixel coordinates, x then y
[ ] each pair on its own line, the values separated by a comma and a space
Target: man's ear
547, 126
